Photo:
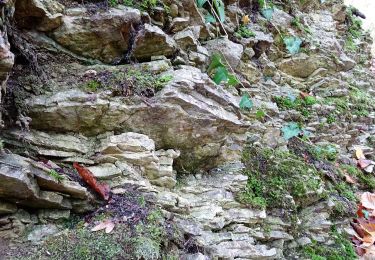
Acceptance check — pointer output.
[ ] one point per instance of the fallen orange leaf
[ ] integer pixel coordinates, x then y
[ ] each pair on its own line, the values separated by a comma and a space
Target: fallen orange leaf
368, 200
88, 177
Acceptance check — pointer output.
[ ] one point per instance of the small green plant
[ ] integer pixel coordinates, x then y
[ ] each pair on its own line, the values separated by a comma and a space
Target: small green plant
55, 175
302, 105
354, 30
219, 72
244, 32
325, 152
331, 118
161, 81
260, 114
218, 10
93, 85
296, 22
113, 3
148, 4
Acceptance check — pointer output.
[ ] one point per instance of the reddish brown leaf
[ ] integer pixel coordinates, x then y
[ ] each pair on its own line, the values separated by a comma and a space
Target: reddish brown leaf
358, 229
102, 189
304, 94
360, 211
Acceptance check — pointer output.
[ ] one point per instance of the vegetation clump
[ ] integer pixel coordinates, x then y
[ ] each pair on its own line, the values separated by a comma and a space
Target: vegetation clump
140, 232
342, 249
301, 104
277, 176
126, 82
244, 32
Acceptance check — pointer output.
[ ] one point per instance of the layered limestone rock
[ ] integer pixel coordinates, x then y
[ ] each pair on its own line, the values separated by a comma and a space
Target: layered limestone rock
190, 114
140, 138
104, 36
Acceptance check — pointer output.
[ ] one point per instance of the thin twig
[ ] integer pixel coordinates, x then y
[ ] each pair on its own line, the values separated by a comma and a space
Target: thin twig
217, 17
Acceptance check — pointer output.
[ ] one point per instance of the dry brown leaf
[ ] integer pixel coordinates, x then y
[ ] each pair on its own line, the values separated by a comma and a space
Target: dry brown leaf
368, 200
359, 154
108, 225
245, 20
369, 253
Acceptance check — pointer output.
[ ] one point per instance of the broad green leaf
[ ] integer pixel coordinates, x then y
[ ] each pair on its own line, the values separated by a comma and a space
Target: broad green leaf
245, 102
221, 74
233, 80
200, 3
209, 18
292, 44
290, 130
215, 62
267, 13
220, 9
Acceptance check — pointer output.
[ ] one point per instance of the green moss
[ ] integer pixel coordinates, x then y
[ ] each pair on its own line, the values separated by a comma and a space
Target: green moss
345, 191
325, 152
302, 105
244, 32
274, 176
342, 249
127, 82
145, 240
354, 30
55, 175
92, 85
366, 180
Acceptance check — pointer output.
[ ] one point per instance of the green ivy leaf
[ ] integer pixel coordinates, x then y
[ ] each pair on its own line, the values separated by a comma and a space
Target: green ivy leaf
233, 80
267, 13
292, 129
245, 102
215, 62
221, 74
200, 3
209, 18
292, 44
220, 8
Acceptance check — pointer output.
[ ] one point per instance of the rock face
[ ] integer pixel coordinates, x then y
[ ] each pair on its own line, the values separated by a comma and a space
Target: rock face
24, 182
190, 114
104, 36
44, 15
152, 41
146, 123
